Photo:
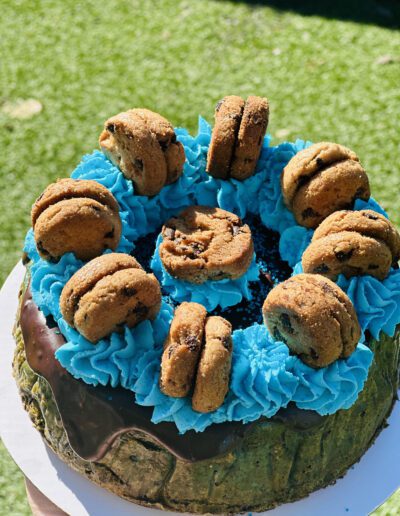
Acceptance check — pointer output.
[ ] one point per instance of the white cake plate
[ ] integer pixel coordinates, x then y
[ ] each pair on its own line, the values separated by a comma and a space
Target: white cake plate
366, 485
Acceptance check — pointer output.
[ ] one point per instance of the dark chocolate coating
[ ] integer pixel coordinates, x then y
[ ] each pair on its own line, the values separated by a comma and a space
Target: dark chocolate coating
94, 417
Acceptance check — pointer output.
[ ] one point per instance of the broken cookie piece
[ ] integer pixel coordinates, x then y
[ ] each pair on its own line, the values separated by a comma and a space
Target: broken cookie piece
182, 350
353, 243
108, 293
237, 137
204, 243
314, 317
143, 145
78, 216
213, 372
321, 179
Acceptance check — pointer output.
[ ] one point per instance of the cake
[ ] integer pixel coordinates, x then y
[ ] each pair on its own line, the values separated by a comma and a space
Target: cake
209, 324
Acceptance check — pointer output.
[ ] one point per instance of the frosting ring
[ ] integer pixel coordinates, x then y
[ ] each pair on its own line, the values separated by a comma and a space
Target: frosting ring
264, 376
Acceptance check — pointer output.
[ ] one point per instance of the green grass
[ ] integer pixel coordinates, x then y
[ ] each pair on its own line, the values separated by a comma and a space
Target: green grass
85, 61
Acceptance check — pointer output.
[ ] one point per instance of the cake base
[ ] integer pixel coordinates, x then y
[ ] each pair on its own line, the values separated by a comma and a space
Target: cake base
276, 462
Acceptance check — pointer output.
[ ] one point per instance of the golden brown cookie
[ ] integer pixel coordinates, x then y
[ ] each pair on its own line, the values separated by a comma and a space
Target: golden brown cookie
228, 114
314, 317
237, 137
366, 222
204, 243
348, 253
76, 216
212, 379
182, 350
321, 179
253, 127
108, 293
143, 145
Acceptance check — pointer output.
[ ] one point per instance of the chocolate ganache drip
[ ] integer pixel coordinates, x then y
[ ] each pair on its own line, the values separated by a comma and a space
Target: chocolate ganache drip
93, 417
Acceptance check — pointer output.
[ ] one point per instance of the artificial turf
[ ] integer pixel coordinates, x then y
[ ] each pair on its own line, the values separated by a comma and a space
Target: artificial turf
330, 73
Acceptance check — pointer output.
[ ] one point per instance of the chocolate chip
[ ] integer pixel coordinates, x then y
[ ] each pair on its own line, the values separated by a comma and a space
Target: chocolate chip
320, 162
309, 213
373, 266
278, 335
235, 230
138, 163
41, 249
192, 342
303, 180
110, 234
218, 106
321, 269
163, 144
285, 321
197, 248
111, 128
129, 291
171, 350
227, 342
169, 233
370, 216
141, 309
360, 192
96, 208
327, 289
266, 278
314, 355
173, 139
341, 256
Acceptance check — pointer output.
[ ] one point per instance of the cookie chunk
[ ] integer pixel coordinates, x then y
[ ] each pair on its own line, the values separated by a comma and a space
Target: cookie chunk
143, 145
237, 137
204, 243
314, 317
366, 222
212, 379
348, 253
182, 350
77, 216
108, 293
321, 179
253, 127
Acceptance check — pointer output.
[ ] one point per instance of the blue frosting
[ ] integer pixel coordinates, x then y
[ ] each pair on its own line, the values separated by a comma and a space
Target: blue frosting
377, 303
293, 242
265, 377
272, 209
210, 294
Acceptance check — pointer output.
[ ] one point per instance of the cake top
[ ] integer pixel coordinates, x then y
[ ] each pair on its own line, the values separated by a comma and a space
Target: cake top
191, 212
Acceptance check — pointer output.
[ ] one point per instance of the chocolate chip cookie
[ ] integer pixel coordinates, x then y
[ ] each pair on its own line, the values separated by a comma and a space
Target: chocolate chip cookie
366, 222
204, 243
237, 137
212, 379
143, 145
182, 350
78, 216
347, 253
108, 293
314, 317
321, 179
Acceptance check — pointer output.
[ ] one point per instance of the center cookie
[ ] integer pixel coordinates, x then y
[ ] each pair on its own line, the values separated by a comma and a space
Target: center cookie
204, 243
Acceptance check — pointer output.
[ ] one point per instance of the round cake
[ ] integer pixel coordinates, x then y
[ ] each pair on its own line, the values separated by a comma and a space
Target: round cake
209, 324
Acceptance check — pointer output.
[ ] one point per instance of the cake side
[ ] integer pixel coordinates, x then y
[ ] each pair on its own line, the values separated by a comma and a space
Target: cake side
277, 461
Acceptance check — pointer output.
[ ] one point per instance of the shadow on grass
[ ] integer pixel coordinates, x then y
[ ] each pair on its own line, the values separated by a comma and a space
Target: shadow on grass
385, 13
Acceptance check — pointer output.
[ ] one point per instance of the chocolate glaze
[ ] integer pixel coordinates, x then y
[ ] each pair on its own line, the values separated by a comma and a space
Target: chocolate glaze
93, 417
